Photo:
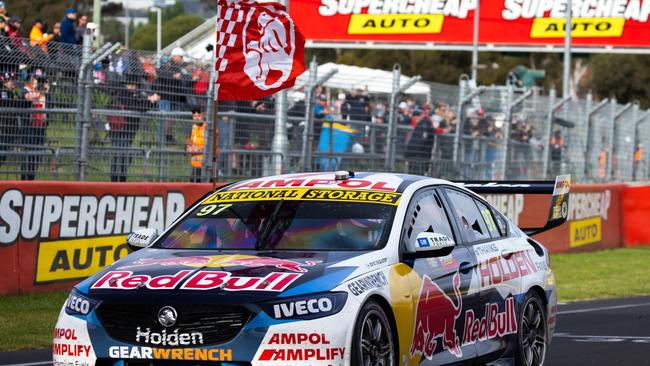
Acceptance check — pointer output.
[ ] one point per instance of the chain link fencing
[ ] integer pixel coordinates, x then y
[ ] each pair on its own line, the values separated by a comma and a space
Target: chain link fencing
71, 112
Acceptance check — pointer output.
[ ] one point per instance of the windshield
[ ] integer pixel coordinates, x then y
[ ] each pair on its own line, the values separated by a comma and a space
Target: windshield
283, 224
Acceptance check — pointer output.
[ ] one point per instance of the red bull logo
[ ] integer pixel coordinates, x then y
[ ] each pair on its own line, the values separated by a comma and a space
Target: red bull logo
226, 261
435, 317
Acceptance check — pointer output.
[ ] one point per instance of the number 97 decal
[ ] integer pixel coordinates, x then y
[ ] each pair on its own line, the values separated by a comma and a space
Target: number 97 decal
212, 210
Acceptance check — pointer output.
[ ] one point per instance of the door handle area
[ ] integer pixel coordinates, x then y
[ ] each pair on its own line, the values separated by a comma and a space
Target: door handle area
507, 253
465, 267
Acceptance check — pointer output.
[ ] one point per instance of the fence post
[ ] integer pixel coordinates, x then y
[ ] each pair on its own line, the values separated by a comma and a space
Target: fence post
81, 79
308, 129
208, 159
549, 130
506, 131
610, 143
589, 132
280, 141
392, 120
459, 123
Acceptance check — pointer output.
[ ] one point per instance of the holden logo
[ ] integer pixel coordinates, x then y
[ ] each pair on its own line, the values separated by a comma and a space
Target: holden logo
167, 316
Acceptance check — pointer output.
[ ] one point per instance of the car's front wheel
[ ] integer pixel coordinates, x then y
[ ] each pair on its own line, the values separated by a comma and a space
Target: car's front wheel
532, 337
373, 343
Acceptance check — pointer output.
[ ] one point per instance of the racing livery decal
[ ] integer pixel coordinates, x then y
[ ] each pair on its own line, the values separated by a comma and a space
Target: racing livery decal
225, 261
435, 317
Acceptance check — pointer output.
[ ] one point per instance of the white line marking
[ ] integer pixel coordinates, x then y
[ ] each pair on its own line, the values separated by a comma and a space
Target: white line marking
30, 363
565, 335
602, 308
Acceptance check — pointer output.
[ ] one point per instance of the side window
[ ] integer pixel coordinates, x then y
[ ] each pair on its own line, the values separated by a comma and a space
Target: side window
425, 214
490, 223
502, 223
471, 221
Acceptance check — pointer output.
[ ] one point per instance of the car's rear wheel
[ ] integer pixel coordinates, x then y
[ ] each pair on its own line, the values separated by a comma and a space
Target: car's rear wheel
373, 343
532, 340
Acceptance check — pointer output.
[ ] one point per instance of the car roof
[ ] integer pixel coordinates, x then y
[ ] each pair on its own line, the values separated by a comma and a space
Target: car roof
358, 180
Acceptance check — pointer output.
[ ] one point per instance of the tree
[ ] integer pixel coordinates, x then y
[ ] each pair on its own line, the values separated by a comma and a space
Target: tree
144, 37
47, 10
621, 76
112, 30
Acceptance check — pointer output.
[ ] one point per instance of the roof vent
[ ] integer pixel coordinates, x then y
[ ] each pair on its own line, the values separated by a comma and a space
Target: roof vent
343, 175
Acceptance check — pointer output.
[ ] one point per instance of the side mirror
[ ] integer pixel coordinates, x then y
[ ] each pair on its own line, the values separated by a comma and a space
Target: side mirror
427, 242
141, 238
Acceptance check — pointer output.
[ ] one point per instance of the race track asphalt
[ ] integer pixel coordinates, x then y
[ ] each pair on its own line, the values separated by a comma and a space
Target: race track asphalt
602, 332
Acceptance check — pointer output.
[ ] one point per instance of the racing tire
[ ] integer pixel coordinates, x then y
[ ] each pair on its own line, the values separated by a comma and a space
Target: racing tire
532, 338
373, 343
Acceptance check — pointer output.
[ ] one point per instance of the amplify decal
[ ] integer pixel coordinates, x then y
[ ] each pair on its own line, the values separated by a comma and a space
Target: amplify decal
36, 216
590, 18
311, 347
72, 349
175, 354
302, 194
201, 280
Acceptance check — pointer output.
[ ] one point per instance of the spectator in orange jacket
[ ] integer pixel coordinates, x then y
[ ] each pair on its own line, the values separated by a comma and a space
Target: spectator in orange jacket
196, 144
37, 37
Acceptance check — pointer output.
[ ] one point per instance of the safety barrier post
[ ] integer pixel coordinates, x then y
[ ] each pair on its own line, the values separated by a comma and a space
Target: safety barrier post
307, 133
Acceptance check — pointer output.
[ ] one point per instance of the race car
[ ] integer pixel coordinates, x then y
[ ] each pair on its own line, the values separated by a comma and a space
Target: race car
337, 268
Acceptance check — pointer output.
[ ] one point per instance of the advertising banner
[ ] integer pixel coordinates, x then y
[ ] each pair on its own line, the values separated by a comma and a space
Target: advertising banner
55, 233
618, 23
594, 220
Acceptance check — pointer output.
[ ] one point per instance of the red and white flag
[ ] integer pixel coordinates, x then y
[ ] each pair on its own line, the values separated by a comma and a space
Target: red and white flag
259, 50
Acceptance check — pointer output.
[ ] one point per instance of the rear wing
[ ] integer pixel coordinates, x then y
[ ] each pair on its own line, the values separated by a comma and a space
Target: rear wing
559, 201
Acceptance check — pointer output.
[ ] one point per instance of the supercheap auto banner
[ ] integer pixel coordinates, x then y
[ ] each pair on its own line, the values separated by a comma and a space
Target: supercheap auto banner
54, 233
593, 223
621, 23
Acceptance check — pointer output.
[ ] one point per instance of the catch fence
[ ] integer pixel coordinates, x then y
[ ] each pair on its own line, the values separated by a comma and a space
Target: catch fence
71, 112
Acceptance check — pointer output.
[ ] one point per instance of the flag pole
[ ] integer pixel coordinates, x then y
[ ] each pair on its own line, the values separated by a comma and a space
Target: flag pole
215, 144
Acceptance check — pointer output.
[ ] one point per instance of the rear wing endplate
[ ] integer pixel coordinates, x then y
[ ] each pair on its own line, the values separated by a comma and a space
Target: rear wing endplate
559, 201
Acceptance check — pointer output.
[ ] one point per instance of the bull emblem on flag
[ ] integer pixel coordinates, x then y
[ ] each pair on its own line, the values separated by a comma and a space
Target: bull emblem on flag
259, 49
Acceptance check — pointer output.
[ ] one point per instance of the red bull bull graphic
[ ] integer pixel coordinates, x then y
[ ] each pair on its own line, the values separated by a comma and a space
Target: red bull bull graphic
435, 317
225, 261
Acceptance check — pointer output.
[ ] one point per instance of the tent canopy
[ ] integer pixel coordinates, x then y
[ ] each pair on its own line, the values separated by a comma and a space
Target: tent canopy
353, 77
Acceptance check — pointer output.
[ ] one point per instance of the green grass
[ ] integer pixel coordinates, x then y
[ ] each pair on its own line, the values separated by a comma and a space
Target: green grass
602, 274
27, 321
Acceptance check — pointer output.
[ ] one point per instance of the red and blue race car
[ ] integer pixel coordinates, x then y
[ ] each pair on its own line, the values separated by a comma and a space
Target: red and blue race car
325, 269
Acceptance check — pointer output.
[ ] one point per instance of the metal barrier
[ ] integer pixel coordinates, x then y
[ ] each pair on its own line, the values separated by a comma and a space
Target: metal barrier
70, 112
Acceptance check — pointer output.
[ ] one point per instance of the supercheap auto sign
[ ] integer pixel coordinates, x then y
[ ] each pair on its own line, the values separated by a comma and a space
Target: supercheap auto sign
505, 22
59, 231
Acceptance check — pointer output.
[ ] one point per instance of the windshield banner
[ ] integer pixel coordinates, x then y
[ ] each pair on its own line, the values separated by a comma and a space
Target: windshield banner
528, 22
304, 194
